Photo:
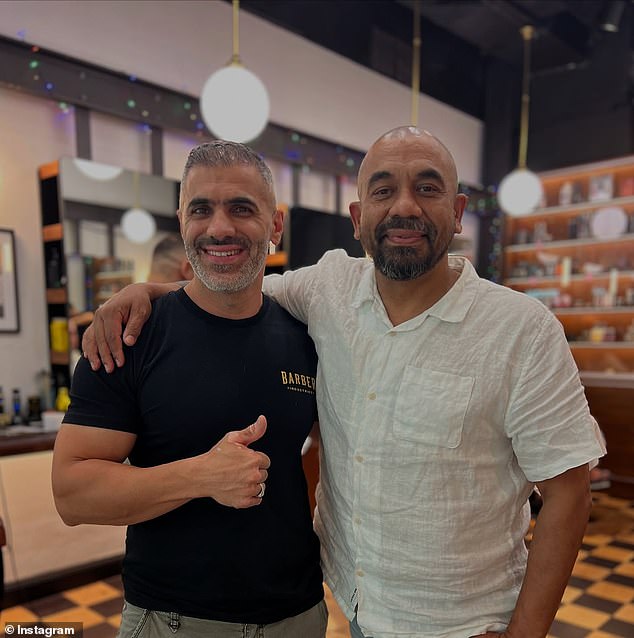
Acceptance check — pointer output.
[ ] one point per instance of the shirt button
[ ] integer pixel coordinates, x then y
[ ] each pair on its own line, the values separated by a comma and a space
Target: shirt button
372, 396
360, 573
357, 520
359, 458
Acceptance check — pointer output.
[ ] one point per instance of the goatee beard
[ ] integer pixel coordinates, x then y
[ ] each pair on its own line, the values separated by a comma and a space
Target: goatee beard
404, 263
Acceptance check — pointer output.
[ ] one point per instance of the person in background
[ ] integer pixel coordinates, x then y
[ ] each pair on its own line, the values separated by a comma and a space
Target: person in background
443, 400
208, 551
169, 261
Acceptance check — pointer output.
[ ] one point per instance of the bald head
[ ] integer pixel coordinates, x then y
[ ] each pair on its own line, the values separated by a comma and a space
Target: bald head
411, 141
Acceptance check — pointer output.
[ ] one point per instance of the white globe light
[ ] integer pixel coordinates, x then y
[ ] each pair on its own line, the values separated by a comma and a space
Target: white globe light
234, 104
138, 225
520, 192
96, 170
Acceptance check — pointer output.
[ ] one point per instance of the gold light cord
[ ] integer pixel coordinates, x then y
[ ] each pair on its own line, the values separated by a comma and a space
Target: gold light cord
137, 190
235, 58
527, 34
416, 64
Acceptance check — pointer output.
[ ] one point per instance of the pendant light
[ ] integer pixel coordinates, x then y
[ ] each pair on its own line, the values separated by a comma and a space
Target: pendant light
137, 225
96, 170
416, 63
234, 103
521, 191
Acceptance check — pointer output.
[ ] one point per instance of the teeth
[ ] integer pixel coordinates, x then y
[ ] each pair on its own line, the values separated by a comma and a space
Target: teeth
218, 253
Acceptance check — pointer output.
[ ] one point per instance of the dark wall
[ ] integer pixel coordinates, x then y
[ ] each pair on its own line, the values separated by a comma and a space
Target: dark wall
313, 232
585, 114
578, 114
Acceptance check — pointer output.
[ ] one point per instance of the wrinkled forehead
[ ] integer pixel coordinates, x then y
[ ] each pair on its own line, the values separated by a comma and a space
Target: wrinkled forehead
243, 177
404, 152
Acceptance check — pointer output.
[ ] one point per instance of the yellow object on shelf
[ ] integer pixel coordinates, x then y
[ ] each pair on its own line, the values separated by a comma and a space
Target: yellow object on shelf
59, 334
62, 401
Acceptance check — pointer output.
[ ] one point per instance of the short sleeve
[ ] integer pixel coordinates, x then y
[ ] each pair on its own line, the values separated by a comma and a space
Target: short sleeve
103, 400
548, 419
293, 290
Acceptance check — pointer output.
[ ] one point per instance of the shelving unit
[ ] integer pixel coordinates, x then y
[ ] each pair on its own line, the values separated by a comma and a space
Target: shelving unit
555, 255
54, 265
588, 281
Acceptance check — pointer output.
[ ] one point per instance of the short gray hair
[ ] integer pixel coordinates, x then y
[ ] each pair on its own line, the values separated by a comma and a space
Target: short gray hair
227, 154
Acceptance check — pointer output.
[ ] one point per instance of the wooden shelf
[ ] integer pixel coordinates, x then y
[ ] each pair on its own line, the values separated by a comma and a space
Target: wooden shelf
56, 295
556, 279
277, 260
52, 232
567, 243
114, 274
60, 358
607, 379
593, 310
572, 210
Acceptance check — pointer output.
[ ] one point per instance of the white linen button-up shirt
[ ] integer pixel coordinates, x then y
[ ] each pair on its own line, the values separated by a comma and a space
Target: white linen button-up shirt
433, 433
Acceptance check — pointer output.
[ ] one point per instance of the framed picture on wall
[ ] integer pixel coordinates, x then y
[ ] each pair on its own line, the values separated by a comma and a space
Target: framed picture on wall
9, 310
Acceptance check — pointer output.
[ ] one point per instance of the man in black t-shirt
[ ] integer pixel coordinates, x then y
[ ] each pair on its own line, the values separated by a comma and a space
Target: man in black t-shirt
208, 550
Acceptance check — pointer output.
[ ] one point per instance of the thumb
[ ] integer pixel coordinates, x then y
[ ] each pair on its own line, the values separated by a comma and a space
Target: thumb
250, 434
139, 313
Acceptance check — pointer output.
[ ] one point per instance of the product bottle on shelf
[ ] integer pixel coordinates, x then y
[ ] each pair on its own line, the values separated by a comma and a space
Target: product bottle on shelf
63, 399
17, 407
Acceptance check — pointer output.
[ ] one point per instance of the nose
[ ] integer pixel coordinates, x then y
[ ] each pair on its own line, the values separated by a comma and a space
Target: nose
221, 224
406, 204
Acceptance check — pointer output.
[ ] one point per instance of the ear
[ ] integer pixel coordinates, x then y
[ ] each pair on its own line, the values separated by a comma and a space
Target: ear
459, 205
278, 226
186, 270
355, 216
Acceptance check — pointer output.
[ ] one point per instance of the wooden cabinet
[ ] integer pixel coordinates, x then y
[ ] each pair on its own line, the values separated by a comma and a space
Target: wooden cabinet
38, 543
576, 254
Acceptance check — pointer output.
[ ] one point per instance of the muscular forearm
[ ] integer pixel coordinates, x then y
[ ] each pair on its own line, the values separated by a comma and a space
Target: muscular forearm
92, 485
556, 539
110, 493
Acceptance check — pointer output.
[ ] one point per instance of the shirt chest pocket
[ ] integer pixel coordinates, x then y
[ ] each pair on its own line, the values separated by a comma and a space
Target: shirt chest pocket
431, 407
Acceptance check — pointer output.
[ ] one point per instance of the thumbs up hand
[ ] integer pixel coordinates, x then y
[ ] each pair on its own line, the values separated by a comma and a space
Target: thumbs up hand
233, 474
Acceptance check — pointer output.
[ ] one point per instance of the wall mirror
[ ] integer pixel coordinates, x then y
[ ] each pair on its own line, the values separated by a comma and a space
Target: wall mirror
100, 257
88, 253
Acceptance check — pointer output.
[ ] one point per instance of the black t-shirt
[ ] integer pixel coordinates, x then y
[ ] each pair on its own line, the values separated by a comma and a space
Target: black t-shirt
190, 379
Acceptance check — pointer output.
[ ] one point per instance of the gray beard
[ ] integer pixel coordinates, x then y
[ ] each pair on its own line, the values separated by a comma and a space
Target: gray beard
241, 279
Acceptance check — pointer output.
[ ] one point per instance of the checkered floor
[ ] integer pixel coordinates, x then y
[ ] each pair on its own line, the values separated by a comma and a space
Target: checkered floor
598, 603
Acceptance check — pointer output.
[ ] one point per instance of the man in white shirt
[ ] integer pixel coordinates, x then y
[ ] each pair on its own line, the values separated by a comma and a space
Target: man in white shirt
443, 399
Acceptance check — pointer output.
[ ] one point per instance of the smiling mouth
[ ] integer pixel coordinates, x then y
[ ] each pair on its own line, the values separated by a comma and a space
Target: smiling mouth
403, 237
221, 253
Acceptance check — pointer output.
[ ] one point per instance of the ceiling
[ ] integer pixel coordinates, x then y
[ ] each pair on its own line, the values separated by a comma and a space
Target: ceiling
459, 37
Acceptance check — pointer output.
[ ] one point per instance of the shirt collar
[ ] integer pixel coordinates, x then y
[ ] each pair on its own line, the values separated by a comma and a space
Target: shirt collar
452, 307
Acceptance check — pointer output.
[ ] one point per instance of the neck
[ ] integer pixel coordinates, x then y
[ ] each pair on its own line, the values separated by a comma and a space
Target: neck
230, 305
404, 300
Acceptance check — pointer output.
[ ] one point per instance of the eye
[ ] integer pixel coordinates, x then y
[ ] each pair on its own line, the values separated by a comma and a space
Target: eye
199, 211
382, 192
427, 189
241, 210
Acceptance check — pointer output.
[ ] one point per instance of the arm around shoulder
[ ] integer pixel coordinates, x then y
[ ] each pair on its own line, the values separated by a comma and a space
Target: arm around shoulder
129, 309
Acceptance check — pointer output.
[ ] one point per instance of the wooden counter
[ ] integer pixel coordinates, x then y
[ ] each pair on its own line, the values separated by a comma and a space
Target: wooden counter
40, 547
611, 400
24, 443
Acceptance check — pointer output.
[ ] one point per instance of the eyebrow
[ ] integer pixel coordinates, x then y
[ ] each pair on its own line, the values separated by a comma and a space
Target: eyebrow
428, 173
205, 201
378, 176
